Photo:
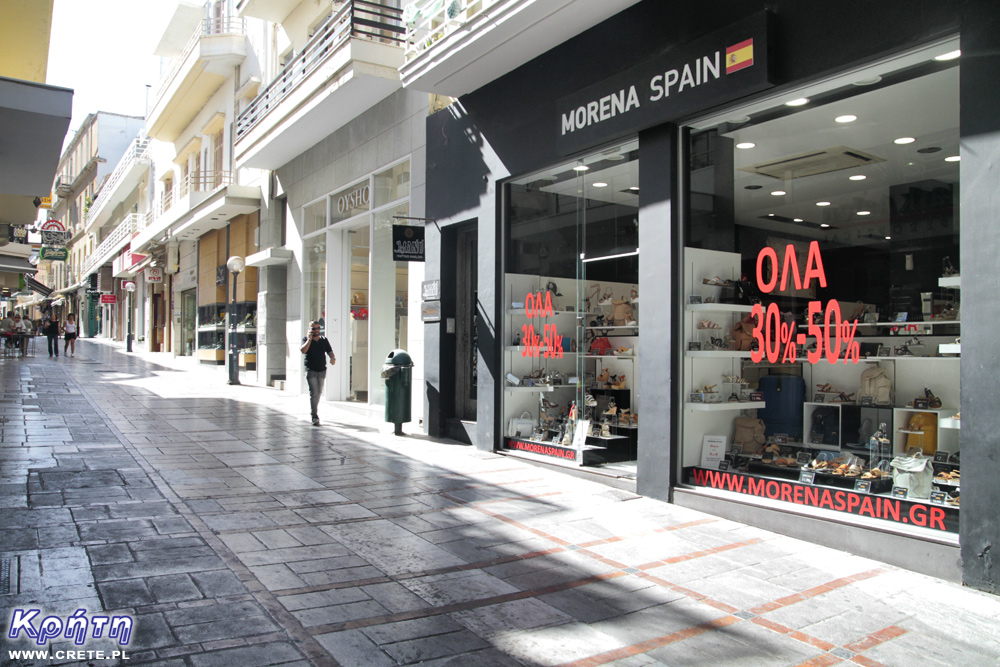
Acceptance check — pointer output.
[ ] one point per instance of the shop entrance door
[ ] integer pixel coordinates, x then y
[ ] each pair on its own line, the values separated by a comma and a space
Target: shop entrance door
466, 323
359, 245
156, 324
189, 318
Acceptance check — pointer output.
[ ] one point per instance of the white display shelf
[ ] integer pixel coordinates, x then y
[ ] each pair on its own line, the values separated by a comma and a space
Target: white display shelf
538, 389
915, 323
524, 311
719, 307
541, 350
951, 282
719, 354
950, 348
949, 422
242, 329
212, 327
609, 356
726, 405
609, 437
622, 326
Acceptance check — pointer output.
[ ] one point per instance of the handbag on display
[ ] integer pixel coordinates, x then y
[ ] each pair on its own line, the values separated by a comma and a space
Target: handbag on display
748, 433
743, 334
521, 427
621, 312
922, 432
914, 473
876, 382
600, 345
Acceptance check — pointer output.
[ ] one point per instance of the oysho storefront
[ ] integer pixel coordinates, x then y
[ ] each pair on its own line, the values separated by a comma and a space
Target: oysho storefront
729, 264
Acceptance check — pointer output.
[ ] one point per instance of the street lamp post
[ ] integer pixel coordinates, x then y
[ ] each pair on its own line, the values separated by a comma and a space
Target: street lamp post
130, 288
235, 264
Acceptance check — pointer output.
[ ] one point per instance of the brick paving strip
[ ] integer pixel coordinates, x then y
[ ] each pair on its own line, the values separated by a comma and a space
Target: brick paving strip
238, 534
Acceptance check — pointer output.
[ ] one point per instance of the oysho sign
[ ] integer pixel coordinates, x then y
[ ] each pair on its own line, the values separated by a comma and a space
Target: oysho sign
721, 67
355, 199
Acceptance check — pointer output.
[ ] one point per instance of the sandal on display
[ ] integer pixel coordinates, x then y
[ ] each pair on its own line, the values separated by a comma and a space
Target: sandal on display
624, 351
844, 397
589, 401
605, 430
708, 324
612, 409
606, 298
602, 379
714, 281
827, 388
634, 294
933, 401
624, 416
618, 381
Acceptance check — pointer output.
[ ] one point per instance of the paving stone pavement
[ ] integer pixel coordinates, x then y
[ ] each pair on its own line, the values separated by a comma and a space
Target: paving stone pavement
235, 533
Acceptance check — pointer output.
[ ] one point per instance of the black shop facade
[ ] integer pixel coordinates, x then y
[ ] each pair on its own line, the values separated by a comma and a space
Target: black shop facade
722, 266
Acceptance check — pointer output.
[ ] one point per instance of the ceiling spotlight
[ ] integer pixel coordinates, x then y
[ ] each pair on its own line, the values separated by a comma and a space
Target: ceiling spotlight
929, 149
951, 55
796, 219
581, 167
824, 225
858, 177
634, 188
864, 212
822, 203
778, 193
797, 102
846, 118
770, 215
904, 140
739, 120
743, 145
888, 238
952, 158
599, 185
868, 81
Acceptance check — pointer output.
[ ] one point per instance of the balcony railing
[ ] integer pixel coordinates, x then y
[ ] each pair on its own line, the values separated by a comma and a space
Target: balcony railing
356, 19
431, 20
123, 231
136, 151
200, 181
212, 27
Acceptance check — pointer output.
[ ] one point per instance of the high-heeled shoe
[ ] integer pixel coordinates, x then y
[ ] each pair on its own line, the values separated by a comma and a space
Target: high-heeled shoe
612, 409
618, 381
602, 379
624, 417
934, 402
708, 324
606, 298
605, 430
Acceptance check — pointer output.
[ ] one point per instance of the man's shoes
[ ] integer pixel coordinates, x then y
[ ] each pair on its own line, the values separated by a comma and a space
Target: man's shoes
315, 421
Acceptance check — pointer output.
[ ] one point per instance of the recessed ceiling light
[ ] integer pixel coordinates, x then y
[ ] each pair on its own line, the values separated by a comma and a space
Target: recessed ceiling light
770, 215
929, 149
581, 167
858, 177
738, 120
634, 188
600, 185
778, 193
796, 219
822, 203
868, 81
743, 145
864, 212
797, 102
904, 140
952, 158
752, 187
846, 118
888, 238
951, 55
824, 225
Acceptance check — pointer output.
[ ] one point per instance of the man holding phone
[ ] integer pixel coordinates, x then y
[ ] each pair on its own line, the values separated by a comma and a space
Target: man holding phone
316, 347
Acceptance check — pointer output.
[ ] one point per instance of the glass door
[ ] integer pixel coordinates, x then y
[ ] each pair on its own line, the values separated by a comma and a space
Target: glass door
189, 322
359, 245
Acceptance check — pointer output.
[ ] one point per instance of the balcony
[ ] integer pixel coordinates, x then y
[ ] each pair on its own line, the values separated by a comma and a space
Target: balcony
112, 245
455, 47
201, 202
350, 64
275, 11
122, 181
208, 59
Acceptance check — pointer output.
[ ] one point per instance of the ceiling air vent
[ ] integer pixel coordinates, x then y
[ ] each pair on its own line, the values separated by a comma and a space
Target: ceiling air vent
814, 162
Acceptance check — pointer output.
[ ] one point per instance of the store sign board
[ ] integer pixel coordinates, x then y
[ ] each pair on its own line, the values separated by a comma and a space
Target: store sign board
716, 69
913, 513
57, 254
430, 290
430, 311
407, 243
154, 274
109, 298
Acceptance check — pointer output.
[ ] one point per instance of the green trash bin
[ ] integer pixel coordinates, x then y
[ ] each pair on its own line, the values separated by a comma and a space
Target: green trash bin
397, 371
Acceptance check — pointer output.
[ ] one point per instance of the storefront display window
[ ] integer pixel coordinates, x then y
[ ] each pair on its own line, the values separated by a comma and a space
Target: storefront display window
821, 323
314, 280
571, 311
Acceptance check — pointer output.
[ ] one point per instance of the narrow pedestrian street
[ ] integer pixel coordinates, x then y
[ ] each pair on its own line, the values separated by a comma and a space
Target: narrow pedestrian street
235, 533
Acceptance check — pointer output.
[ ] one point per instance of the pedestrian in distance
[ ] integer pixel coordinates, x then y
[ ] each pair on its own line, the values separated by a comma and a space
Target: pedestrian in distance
51, 331
69, 334
316, 347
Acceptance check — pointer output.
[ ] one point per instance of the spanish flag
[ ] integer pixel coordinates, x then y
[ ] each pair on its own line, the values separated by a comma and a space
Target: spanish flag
739, 56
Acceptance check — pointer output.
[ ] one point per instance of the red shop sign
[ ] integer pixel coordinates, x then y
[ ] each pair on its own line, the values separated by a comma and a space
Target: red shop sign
109, 298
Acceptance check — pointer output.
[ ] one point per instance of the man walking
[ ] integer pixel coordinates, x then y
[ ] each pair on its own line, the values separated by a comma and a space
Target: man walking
315, 346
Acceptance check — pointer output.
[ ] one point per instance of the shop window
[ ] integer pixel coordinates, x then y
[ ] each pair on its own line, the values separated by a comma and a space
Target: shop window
571, 311
392, 184
821, 324
314, 217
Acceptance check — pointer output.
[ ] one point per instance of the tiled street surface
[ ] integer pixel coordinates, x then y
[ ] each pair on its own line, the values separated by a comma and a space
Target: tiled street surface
238, 534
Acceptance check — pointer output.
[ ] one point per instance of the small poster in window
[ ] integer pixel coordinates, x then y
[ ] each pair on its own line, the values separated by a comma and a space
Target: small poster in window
713, 451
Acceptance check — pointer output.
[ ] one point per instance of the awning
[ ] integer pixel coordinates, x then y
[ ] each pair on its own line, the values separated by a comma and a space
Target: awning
71, 288
58, 302
39, 287
15, 264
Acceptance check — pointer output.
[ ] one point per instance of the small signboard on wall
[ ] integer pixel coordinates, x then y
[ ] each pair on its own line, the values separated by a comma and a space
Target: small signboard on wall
407, 243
